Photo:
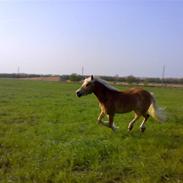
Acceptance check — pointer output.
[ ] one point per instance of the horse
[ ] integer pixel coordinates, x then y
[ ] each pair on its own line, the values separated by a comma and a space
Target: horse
112, 101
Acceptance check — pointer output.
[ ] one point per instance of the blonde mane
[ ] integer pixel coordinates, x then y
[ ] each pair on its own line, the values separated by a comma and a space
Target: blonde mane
105, 83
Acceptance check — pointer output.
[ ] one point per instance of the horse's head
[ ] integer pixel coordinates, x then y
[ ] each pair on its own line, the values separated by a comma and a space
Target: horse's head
86, 88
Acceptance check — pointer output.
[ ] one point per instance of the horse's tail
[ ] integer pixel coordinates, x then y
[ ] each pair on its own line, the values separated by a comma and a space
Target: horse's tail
156, 112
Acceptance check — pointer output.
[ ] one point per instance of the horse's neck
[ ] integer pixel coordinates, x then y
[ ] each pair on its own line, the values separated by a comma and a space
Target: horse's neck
101, 92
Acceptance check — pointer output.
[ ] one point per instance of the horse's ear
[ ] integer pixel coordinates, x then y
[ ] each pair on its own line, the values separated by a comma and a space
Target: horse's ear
91, 77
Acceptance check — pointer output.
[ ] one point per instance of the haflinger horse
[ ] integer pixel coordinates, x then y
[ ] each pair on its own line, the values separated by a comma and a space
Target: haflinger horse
112, 101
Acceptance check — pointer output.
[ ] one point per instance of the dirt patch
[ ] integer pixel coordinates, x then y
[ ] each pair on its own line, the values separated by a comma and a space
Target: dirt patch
49, 78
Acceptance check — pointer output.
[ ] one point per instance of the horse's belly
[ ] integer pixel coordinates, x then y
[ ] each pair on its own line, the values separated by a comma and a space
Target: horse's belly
123, 110
124, 107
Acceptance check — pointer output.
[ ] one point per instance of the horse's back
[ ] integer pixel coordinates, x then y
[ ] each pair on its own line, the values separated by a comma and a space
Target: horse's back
136, 99
134, 91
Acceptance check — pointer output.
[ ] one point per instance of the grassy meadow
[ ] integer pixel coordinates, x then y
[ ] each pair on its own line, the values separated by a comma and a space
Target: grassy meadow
48, 135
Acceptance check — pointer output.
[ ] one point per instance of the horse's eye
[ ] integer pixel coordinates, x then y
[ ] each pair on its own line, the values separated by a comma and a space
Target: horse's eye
87, 84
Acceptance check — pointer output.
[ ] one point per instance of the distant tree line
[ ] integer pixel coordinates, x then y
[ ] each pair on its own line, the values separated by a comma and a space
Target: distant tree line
127, 79
21, 75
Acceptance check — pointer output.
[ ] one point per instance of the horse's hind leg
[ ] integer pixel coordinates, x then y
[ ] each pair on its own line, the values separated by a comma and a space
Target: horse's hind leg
142, 126
130, 125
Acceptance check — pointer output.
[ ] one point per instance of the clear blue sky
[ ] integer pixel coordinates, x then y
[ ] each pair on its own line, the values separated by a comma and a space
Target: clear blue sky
106, 37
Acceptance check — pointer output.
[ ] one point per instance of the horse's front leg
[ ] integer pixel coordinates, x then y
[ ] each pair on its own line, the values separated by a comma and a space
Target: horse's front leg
100, 121
111, 118
100, 117
111, 122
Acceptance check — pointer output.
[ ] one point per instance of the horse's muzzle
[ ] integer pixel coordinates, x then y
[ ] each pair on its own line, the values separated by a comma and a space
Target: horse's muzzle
78, 93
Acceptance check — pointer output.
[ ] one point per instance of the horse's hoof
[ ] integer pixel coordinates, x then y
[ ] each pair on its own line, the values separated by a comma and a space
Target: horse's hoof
99, 123
114, 129
142, 129
130, 128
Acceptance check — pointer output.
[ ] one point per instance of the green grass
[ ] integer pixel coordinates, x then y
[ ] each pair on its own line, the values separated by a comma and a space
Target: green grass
48, 135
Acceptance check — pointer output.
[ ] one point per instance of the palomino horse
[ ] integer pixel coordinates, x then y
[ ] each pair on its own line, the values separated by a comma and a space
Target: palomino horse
113, 101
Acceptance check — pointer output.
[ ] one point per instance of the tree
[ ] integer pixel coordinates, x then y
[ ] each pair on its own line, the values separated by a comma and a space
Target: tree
75, 77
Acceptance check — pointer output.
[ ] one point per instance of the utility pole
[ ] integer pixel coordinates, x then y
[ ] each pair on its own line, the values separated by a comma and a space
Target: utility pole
163, 75
18, 70
82, 71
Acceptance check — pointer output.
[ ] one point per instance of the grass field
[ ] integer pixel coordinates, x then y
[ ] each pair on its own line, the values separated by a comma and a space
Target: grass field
48, 135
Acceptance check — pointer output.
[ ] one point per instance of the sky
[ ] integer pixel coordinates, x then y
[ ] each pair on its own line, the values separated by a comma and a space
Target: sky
105, 37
